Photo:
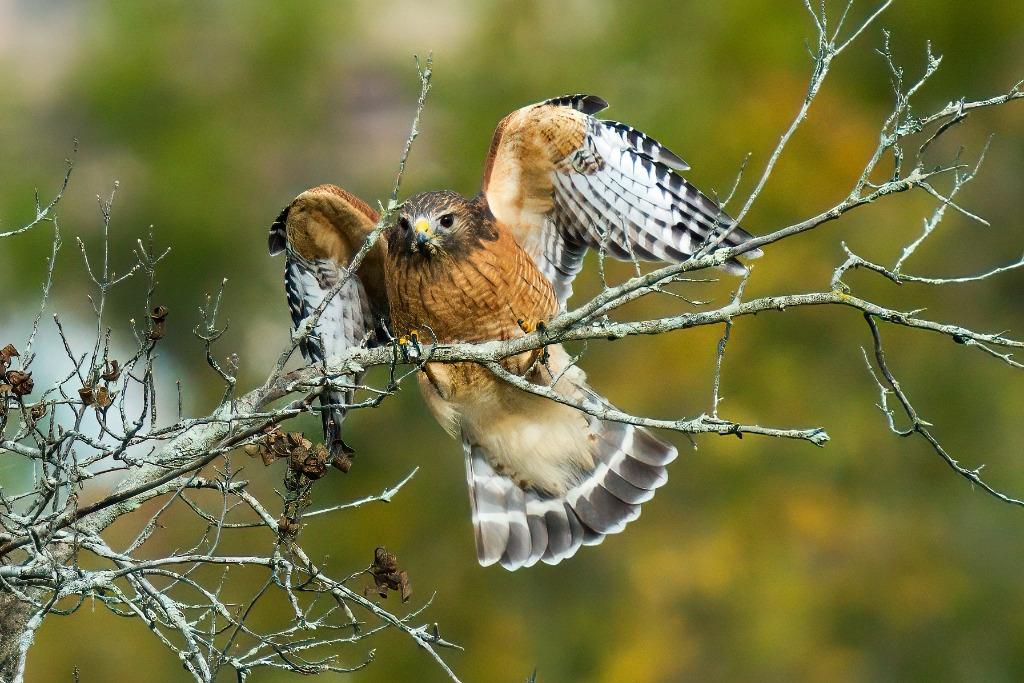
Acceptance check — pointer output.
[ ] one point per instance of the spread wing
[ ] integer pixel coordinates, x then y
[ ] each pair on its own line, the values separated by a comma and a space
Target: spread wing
320, 232
567, 182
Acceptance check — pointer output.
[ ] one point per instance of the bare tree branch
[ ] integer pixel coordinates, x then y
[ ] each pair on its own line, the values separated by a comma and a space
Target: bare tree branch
84, 425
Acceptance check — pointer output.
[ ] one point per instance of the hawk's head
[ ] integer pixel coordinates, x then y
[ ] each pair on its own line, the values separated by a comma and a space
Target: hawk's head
439, 223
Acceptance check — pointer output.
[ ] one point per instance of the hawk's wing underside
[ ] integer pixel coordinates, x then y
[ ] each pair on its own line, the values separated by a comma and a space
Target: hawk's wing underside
567, 182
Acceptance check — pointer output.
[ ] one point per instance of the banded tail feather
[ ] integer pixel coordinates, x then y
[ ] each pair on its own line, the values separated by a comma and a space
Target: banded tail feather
517, 528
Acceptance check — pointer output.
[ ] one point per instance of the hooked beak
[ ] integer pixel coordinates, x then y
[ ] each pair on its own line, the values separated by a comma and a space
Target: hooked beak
423, 232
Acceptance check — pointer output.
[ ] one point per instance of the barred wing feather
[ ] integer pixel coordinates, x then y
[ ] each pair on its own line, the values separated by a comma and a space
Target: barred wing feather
318, 232
566, 182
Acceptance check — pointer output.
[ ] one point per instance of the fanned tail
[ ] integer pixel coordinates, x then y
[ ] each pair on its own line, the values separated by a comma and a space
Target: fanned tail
518, 527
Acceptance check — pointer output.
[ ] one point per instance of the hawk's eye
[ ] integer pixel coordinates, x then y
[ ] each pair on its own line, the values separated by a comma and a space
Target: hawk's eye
403, 223
447, 220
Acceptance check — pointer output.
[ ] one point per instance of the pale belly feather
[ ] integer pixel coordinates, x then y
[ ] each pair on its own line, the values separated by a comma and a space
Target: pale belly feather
534, 441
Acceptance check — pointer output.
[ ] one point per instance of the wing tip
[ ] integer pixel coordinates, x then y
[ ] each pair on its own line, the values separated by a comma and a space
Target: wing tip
588, 104
278, 237
672, 160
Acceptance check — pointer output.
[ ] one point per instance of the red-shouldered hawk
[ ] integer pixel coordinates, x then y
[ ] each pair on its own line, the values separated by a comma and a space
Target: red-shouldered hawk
544, 478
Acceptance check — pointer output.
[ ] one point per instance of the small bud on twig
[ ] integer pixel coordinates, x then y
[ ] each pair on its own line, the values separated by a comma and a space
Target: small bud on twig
231, 365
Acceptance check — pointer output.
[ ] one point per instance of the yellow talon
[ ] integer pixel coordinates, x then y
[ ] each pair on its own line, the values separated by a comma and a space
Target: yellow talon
532, 326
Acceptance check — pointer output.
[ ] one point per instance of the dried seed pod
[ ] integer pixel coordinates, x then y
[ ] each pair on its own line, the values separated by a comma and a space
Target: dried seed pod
277, 444
287, 527
387, 577
102, 397
21, 382
86, 394
112, 373
38, 411
158, 317
307, 462
314, 468
316, 464
262, 447
297, 458
402, 579
304, 458
7, 353
383, 561
268, 457
343, 461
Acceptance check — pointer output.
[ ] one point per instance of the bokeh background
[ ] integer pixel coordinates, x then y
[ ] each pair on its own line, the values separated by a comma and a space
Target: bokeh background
760, 560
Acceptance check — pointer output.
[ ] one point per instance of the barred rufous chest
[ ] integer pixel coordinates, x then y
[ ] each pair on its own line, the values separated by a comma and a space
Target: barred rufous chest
472, 294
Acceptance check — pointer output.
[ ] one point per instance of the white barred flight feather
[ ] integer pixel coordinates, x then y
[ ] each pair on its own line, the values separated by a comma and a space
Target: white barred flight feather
310, 271
566, 182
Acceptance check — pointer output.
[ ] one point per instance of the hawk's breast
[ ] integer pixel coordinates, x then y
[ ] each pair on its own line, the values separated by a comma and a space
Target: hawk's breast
480, 295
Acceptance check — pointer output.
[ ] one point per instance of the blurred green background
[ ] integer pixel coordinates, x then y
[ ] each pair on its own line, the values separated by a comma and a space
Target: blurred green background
760, 560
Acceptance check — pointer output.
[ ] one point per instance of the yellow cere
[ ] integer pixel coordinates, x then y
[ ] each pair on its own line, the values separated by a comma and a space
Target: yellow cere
423, 225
